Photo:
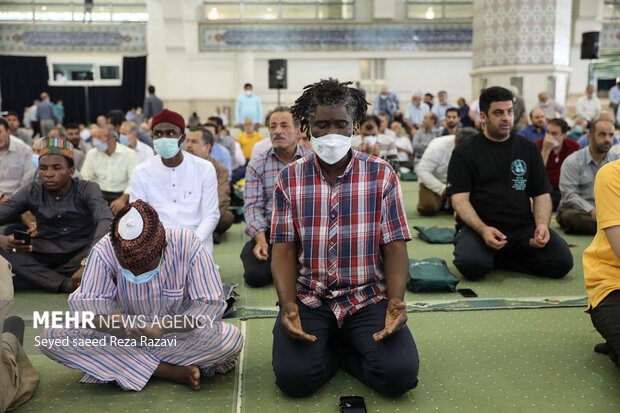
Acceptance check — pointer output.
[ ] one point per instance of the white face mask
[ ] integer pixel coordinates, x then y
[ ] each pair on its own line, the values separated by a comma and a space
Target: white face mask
331, 148
248, 93
371, 139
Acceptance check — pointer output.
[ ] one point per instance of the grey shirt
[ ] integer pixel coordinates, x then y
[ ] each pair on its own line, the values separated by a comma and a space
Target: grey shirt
577, 179
46, 110
152, 106
65, 224
14, 165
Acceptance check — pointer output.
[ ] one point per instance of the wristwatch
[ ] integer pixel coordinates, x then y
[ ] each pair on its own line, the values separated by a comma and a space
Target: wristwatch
83, 263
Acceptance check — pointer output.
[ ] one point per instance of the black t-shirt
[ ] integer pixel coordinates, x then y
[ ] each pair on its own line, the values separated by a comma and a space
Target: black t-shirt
500, 178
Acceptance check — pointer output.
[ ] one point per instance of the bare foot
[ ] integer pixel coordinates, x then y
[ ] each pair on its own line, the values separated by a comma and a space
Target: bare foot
180, 374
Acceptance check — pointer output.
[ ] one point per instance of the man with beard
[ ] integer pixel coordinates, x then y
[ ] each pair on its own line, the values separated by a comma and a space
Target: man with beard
500, 191
537, 130
452, 122
71, 216
577, 211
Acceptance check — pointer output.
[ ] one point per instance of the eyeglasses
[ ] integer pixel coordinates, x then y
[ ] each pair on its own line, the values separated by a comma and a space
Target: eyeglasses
168, 133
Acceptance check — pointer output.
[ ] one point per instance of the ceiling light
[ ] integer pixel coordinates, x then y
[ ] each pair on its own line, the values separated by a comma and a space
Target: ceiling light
430, 13
213, 14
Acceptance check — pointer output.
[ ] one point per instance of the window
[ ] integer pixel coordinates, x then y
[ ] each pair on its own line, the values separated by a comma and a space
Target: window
73, 11
84, 74
279, 10
440, 9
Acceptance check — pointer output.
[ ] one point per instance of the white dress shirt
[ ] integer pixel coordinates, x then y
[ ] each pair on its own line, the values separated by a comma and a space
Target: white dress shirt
111, 172
432, 170
588, 109
260, 147
183, 196
144, 152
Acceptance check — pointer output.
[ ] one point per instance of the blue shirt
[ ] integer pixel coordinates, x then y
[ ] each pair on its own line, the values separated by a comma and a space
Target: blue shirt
248, 107
219, 153
416, 114
583, 141
530, 132
46, 110
389, 105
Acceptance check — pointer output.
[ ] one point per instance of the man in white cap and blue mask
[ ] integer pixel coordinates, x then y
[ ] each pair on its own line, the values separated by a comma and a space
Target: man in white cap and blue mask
156, 303
340, 261
180, 186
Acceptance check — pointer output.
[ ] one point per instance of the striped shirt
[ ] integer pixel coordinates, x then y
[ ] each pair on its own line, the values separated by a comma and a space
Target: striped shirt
339, 229
187, 283
260, 176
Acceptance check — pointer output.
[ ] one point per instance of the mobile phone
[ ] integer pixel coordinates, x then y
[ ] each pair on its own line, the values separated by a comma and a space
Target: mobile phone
466, 292
352, 404
22, 236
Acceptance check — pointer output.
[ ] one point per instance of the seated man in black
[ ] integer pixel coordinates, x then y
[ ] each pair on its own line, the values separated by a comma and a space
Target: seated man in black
71, 216
491, 180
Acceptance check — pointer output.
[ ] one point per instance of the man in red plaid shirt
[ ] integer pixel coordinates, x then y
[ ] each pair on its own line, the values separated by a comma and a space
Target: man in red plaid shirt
340, 260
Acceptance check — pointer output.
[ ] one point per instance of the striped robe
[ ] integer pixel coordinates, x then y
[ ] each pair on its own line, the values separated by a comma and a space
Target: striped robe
187, 283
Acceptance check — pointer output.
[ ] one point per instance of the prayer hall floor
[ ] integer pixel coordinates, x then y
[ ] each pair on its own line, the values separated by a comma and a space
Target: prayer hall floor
510, 359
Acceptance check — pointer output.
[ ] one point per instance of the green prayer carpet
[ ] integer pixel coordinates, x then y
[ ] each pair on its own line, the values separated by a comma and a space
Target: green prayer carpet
506, 360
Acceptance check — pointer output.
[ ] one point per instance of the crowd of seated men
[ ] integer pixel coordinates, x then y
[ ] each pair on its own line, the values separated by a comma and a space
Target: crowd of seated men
125, 216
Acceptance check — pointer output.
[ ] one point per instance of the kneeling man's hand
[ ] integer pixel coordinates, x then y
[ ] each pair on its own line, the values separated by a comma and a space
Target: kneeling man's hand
493, 238
292, 324
541, 237
395, 319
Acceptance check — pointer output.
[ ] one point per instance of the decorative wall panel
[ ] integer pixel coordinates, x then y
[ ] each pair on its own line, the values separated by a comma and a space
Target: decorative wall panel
303, 37
71, 38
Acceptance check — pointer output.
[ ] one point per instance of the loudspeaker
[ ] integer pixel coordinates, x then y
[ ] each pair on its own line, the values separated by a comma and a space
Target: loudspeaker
589, 45
277, 74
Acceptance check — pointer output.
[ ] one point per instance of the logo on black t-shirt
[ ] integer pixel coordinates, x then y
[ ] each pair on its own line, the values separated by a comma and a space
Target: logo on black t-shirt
519, 168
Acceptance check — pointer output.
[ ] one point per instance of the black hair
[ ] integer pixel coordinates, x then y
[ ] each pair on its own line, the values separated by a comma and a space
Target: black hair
371, 118
248, 84
217, 120
152, 90
594, 123
560, 123
116, 117
12, 113
453, 110
4, 123
212, 125
494, 94
207, 136
72, 126
329, 92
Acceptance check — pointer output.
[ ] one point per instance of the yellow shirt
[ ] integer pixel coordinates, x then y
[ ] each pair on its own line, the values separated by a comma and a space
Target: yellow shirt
247, 142
601, 266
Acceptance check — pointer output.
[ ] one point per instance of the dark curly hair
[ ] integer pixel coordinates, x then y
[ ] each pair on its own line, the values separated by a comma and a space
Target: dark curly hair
329, 92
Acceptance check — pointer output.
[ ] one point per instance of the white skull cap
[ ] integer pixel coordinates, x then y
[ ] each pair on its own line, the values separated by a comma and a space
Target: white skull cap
130, 226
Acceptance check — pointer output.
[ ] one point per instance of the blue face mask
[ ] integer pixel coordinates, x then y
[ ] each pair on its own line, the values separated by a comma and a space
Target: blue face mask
578, 129
101, 146
123, 139
142, 278
166, 147
35, 161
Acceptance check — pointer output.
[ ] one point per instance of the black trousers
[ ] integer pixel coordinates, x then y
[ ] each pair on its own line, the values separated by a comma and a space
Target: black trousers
605, 319
474, 259
35, 270
389, 366
256, 273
